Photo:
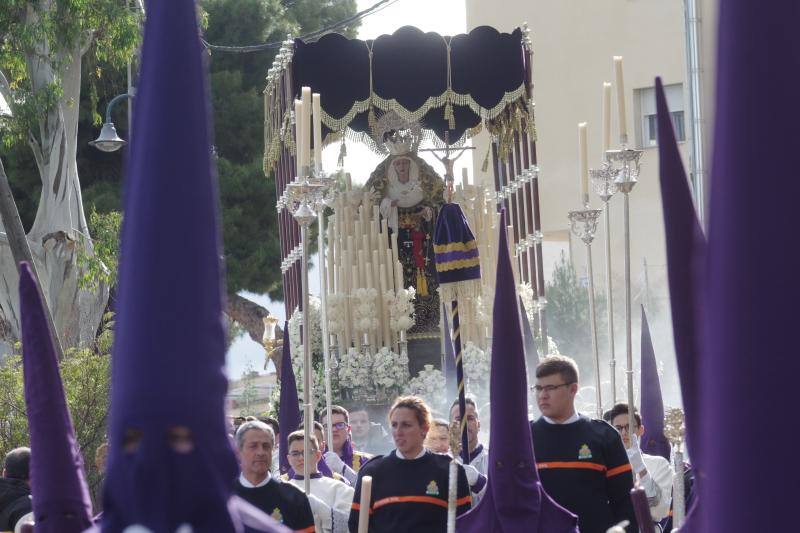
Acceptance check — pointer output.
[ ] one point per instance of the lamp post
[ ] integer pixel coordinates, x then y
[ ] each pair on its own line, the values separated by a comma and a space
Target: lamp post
109, 141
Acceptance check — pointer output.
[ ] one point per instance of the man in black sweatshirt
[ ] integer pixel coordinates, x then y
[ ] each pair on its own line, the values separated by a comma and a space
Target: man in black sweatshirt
15, 489
582, 462
284, 502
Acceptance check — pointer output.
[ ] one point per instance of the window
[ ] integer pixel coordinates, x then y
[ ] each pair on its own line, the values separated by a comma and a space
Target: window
647, 130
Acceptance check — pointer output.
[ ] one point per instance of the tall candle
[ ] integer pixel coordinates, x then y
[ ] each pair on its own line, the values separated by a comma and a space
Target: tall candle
606, 118
623, 122
363, 513
390, 277
305, 95
398, 274
583, 154
315, 104
298, 134
464, 177
362, 268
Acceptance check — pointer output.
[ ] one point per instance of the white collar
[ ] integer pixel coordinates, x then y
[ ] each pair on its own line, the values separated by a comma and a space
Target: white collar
247, 484
574, 418
401, 456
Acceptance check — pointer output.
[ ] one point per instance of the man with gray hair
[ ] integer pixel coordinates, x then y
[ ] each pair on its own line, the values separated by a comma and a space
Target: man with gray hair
284, 502
15, 489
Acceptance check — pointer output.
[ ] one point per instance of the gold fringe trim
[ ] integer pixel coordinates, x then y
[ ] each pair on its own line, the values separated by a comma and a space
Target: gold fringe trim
458, 264
455, 247
460, 291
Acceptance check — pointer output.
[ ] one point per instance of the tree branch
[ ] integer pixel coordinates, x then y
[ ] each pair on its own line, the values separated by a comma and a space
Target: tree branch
6, 91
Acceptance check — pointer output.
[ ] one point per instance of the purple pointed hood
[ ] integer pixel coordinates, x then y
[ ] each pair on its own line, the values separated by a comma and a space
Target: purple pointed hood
169, 353
654, 442
750, 339
515, 500
61, 502
686, 249
289, 411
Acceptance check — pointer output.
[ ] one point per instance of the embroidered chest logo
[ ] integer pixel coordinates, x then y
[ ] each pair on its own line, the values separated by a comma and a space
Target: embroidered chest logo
585, 452
433, 489
276, 515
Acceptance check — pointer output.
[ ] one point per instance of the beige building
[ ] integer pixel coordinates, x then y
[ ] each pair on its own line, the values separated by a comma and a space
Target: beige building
573, 42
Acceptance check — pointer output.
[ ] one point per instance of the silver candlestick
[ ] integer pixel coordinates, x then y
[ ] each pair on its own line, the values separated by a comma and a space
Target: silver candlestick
302, 194
325, 197
604, 186
627, 162
583, 224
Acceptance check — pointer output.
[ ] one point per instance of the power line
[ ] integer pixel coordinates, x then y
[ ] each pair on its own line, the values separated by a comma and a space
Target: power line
376, 7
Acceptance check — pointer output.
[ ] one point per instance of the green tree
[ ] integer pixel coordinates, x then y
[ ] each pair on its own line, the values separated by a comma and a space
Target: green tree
252, 247
44, 46
86, 376
568, 316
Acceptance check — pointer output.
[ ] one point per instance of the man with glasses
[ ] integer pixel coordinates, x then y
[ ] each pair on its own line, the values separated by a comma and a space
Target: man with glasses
330, 499
654, 472
582, 462
341, 457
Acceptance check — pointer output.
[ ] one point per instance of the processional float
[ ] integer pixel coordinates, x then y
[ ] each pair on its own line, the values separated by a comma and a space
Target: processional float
379, 310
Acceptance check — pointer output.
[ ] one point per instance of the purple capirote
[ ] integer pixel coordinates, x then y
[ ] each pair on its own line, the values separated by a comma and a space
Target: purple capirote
514, 499
171, 462
61, 502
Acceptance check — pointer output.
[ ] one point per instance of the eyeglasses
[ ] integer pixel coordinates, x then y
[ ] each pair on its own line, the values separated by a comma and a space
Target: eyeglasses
297, 454
339, 425
538, 389
626, 428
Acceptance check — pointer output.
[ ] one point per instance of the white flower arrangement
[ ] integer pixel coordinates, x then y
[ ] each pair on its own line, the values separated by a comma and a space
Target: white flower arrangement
389, 370
528, 300
365, 309
354, 370
477, 365
295, 340
483, 308
401, 308
430, 385
336, 313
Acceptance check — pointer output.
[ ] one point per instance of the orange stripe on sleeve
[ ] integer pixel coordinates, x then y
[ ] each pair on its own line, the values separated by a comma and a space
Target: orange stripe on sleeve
619, 470
573, 464
309, 529
462, 501
355, 506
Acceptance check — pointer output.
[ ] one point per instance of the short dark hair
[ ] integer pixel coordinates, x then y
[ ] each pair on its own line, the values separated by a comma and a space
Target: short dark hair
621, 409
271, 422
337, 410
558, 364
301, 435
316, 425
17, 463
467, 401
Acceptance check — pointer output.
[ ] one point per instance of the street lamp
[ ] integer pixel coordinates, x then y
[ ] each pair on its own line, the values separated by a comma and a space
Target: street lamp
109, 141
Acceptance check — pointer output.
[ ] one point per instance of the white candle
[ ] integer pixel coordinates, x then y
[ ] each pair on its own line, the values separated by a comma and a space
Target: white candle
363, 513
305, 95
583, 154
464, 177
623, 122
398, 273
298, 134
315, 103
606, 118
390, 277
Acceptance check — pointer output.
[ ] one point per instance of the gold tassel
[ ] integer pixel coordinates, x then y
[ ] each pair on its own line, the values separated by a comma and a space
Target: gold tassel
371, 120
448, 115
422, 283
342, 151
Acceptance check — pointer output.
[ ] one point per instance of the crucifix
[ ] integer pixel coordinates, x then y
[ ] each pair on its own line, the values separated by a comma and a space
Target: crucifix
447, 161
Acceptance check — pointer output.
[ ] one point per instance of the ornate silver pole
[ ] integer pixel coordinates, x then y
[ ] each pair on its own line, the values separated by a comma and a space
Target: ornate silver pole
324, 198
604, 186
302, 193
583, 224
675, 432
628, 161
